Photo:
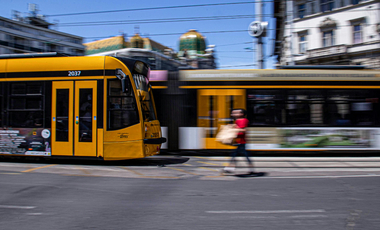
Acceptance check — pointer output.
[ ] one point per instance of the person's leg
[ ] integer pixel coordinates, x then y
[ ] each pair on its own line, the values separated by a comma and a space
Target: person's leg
249, 161
233, 156
232, 164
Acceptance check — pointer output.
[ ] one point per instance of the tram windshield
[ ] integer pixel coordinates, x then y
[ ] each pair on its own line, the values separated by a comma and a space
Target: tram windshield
141, 78
142, 85
141, 81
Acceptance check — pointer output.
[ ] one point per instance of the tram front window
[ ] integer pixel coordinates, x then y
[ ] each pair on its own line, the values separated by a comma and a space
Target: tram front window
122, 109
142, 85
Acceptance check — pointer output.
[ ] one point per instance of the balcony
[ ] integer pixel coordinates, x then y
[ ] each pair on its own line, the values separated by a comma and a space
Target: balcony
327, 52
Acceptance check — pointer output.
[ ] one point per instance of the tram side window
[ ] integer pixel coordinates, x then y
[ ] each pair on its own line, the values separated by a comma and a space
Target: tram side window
304, 107
25, 105
353, 107
265, 107
122, 109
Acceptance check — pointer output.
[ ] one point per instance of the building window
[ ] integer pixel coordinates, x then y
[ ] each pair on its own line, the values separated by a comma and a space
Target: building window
302, 43
328, 38
9, 38
301, 10
60, 49
327, 5
312, 8
354, 2
357, 34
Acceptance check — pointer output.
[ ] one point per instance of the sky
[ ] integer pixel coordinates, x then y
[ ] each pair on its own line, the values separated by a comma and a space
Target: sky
234, 47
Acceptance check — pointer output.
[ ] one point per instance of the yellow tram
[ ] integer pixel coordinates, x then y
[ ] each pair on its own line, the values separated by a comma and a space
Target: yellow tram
99, 107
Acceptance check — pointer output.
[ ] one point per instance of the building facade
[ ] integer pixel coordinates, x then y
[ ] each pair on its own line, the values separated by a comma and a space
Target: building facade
331, 32
119, 42
32, 34
192, 54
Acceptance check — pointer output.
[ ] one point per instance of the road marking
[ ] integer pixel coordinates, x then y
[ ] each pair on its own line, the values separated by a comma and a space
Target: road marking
17, 207
34, 214
181, 170
29, 170
214, 158
161, 177
215, 170
309, 216
202, 162
84, 175
133, 171
267, 211
202, 158
83, 170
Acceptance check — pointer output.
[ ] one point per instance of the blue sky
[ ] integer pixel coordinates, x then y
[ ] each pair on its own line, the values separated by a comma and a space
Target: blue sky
233, 49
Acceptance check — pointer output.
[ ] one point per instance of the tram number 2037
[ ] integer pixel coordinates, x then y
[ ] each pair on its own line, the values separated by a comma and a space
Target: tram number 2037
74, 73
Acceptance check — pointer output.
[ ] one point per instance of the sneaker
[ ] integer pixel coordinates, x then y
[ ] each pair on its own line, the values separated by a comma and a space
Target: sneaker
229, 170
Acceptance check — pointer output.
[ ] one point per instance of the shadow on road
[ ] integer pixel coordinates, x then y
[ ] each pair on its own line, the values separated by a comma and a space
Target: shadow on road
248, 175
149, 161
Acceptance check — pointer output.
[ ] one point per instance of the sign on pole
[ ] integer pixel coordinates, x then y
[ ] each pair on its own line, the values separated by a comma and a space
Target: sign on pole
256, 28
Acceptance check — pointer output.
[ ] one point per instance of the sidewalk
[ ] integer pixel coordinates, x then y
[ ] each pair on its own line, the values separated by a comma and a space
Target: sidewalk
302, 162
372, 163
302, 167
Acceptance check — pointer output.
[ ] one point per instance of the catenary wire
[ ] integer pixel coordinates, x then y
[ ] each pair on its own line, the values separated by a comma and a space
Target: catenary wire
173, 7
229, 31
166, 20
158, 8
162, 20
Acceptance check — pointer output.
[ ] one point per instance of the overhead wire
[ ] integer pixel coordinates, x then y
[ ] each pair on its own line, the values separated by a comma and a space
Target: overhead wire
168, 20
233, 31
181, 33
158, 8
161, 20
232, 44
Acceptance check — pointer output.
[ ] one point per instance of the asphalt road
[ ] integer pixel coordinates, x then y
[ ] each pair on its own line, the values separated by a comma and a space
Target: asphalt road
189, 193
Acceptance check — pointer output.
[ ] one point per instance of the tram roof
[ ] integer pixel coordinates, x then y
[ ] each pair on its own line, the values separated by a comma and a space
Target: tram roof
32, 55
279, 74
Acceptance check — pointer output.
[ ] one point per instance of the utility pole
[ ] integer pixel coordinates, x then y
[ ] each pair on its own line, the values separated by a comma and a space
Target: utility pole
257, 29
259, 45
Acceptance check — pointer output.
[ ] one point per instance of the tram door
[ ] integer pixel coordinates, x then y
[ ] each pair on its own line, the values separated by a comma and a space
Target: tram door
74, 118
214, 109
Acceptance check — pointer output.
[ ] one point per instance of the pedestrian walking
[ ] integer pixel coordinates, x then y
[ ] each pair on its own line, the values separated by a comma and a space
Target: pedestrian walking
241, 122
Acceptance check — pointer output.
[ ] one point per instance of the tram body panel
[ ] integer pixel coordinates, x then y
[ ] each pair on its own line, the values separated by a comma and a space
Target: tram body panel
116, 150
